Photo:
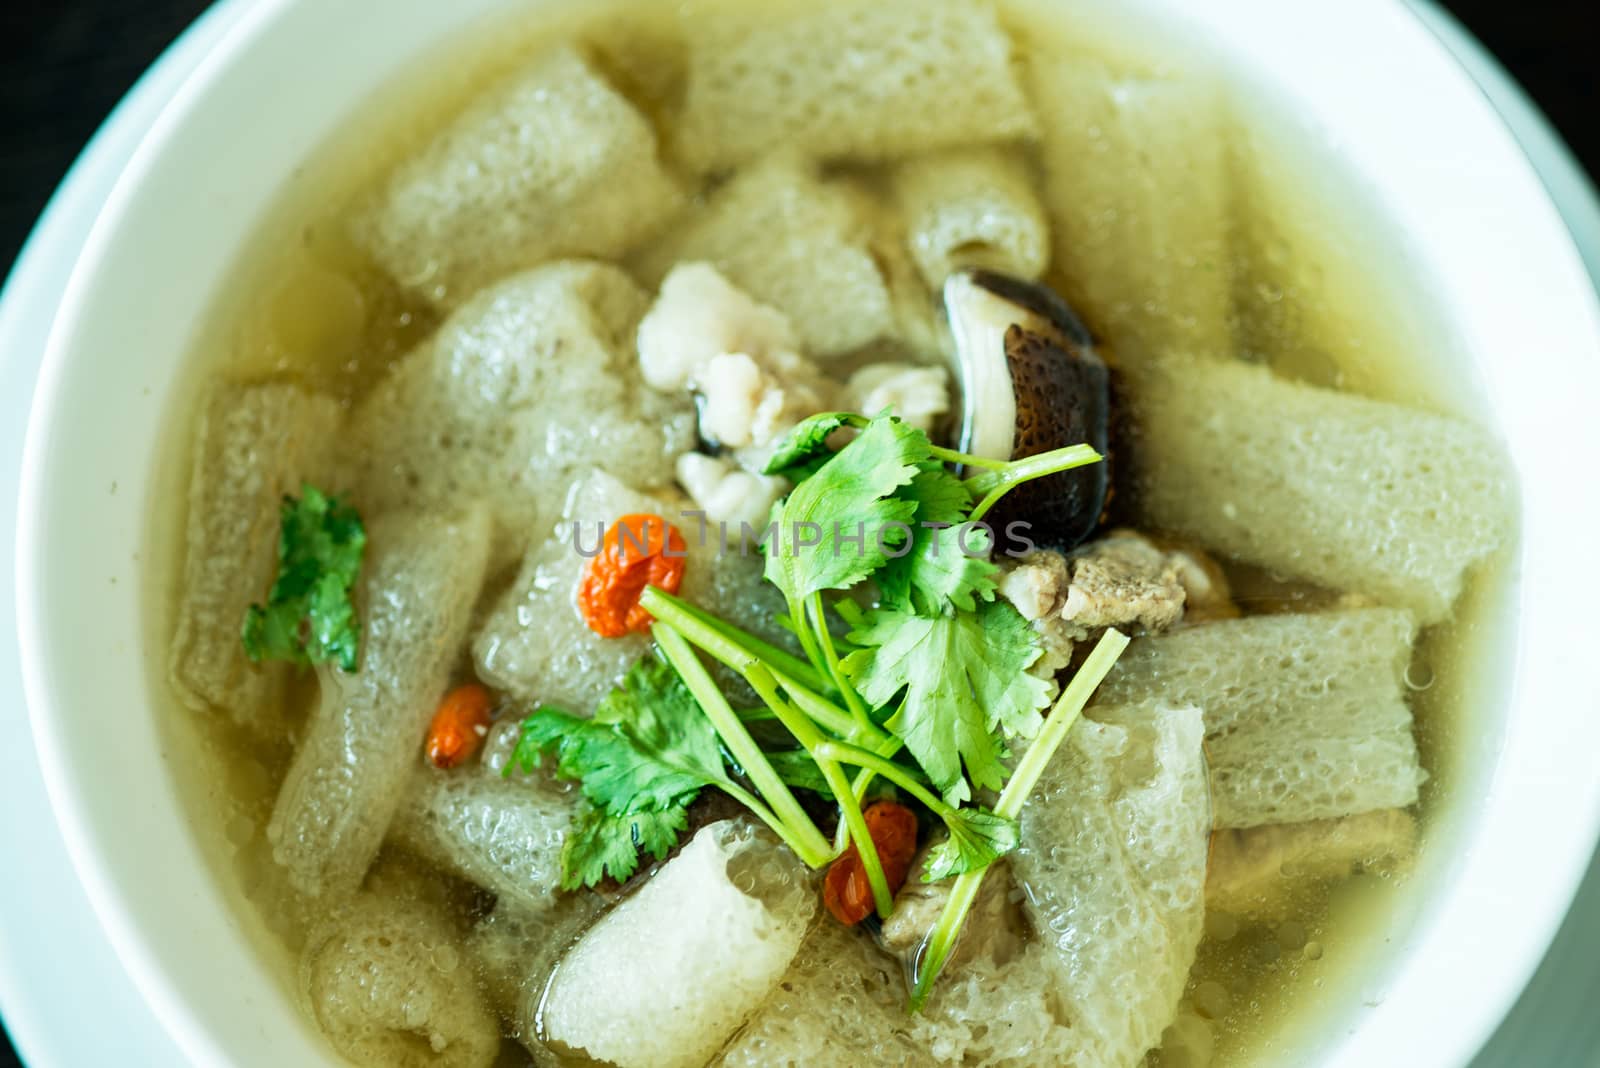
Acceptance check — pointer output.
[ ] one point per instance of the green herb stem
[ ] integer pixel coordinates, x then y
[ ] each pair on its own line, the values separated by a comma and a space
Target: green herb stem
830, 658
765, 683
954, 819
803, 836
766, 816
995, 483
1069, 706
962, 459
849, 611
963, 892
830, 716
669, 610
781, 660
800, 626
845, 753
864, 778
856, 820
805, 732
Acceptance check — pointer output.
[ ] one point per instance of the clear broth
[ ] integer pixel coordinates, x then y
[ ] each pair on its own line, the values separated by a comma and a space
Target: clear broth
306, 303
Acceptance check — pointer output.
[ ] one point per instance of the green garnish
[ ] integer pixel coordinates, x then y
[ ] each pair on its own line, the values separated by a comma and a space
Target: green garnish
642, 760
1069, 706
796, 768
800, 454
948, 560
839, 525
782, 812
956, 681
309, 617
978, 837
647, 747
600, 844
923, 693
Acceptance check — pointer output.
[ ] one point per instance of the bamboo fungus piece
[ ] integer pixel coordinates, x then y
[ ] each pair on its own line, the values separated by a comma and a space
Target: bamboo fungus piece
504, 834
1349, 493
419, 583
1324, 733
919, 76
253, 445
1136, 182
971, 208
550, 162
672, 972
525, 387
811, 260
389, 987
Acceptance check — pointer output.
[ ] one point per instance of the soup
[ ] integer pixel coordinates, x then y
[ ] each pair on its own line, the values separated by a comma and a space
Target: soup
895, 534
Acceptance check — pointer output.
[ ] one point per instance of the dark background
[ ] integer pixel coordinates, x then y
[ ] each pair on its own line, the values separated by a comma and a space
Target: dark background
64, 64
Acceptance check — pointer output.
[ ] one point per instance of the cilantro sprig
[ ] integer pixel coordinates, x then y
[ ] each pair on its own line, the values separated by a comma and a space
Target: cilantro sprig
959, 684
1068, 707
642, 760
927, 690
841, 524
309, 617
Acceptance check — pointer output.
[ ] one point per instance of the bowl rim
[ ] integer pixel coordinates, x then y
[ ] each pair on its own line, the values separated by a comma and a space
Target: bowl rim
139, 955
142, 958
28, 302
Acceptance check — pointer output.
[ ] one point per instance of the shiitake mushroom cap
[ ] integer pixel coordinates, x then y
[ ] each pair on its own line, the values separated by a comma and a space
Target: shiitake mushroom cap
1026, 357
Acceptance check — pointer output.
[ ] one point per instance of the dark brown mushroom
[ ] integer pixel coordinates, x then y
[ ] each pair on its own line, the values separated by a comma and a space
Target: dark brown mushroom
1031, 381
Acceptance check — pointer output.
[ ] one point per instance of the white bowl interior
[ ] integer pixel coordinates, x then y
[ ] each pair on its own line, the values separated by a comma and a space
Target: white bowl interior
1388, 97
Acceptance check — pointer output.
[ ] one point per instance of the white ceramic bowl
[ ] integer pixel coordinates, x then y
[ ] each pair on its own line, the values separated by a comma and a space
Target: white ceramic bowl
1407, 120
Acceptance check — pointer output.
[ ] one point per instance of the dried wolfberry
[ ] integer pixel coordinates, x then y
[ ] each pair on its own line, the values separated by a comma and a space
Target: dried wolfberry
846, 890
459, 725
638, 551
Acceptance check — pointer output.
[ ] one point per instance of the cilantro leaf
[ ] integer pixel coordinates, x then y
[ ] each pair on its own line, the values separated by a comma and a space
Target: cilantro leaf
600, 844
977, 839
941, 497
836, 528
648, 745
615, 771
948, 559
665, 722
309, 617
796, 768
964, 679
805, 448
641, 761
947, 566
